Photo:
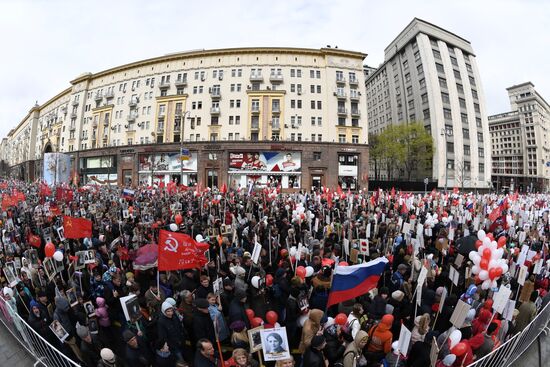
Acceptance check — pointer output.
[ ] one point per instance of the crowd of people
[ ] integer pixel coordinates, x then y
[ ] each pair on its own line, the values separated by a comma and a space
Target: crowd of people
202, 316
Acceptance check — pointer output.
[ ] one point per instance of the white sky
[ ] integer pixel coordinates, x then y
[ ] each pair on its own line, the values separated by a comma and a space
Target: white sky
46, 43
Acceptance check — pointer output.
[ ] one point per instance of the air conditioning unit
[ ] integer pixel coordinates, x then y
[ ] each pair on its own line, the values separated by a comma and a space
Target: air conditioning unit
220, 77
299, 92
248, 87
203, 79
335, 93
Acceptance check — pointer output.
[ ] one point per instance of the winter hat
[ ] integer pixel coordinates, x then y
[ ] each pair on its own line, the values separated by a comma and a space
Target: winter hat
165, 306
127, 335
237, 326
398, 295
7, 292
387, 320
449, 359
41, 293
33, 304
82, 331
470, 316
317, 341
107, 355
389, 309
200, 303
240, 294
171, 301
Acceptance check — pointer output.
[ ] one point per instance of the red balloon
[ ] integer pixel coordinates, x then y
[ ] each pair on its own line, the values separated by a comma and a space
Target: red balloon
35, 241
250, 314
301, 272
284, 252
484, 263
477, 280
491, 237
478, 244
49, 249
487, 253
343, 263
256, 321
340, 319
501, 242
271, 317
459, 349
269, 280
413, 217
498, 271
493, 273
445, 214
178, 219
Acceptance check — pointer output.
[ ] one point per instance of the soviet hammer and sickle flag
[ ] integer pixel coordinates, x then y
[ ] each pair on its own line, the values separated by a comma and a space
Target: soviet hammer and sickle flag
77, 227
179, 251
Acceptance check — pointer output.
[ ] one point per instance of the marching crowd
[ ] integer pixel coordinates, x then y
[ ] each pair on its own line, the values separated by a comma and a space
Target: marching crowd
202, 316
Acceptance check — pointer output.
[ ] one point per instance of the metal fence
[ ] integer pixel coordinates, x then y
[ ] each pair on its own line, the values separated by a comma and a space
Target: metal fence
44, 353
513, 348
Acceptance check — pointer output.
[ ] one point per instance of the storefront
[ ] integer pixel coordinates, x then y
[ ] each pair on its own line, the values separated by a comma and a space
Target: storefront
167, 167
347, 171
99, 170
265, 169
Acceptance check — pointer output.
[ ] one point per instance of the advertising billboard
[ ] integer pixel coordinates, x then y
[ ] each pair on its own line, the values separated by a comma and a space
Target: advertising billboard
265, 162
167, 162
57, 168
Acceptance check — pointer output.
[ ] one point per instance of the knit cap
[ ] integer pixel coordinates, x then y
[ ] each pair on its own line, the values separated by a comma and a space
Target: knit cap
165, 306
82, 331
107, 355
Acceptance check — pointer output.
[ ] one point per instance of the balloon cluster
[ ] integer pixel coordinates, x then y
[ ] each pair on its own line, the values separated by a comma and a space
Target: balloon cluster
304, 272
50, 251
300, 214
488, 262
431, 220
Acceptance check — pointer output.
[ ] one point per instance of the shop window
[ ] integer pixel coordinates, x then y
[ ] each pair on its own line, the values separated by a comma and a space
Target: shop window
212, 179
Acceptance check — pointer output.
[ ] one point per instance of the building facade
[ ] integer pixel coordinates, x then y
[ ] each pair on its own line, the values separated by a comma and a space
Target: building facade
519, 141
288, 115
430, 75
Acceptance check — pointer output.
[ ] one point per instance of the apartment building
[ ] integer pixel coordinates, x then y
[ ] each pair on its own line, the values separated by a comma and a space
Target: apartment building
430, 75
519, 142
274, 101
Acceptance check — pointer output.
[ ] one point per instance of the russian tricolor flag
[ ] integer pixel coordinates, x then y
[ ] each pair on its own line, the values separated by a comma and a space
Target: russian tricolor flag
128, 194
353, 281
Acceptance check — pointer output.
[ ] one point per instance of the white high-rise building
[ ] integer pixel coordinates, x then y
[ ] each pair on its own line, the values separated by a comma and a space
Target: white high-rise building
430, 75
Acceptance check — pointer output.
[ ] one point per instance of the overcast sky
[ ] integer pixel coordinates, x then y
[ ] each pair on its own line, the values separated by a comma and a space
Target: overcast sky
46, 43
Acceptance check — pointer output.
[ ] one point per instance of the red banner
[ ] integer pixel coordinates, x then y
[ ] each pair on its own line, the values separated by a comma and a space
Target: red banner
63, 194
77, 227
178, 251
8, 201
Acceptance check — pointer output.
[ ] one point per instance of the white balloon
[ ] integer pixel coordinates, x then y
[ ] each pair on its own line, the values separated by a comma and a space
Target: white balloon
173, 227
476, 258
255, 281
475, 269
504, 268
497, 254
483, 274
455, 338
492, 264
486, 242
309, 271
293, 250
494, 284
481, 234
58, 256
486, 284
302, 320
493, 245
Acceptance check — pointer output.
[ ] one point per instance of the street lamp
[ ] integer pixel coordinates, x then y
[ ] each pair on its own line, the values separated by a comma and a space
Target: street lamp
446, 133
184, 114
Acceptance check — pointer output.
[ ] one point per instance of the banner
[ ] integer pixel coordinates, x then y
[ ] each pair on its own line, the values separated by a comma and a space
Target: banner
167, 162
265, 161
77, 227
179, 251
57, 168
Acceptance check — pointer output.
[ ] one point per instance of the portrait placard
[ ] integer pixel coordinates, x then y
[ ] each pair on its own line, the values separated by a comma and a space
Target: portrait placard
275, 344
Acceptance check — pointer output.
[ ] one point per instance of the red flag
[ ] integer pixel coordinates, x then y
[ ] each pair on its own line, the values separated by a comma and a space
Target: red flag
77, 227
177, 251
223, 190
8, 201
392, 193
64, 194
45, 189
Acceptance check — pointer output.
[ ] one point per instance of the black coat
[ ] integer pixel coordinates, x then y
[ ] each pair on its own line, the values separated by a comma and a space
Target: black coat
140, 357
313, 358
202, 361
237, 312
171, 331
203, 326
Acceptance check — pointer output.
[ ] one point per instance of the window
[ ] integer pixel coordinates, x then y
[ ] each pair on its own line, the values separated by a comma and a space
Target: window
476, 107
313, 121
465, 133
450, 147
439, 67
457, 75
319, 105
341, 138
299, 137
311, 74
312, 105
480, 137
453, 61
319, 121
426, 113
481, 152
478, 121
419, 69
481, 168
437, 54
447, 113
443, 83
472, 81
425, 98
460, 88
316, 156
467, 150
445, 97
292, 73
405, 64
408, 77
409, 90
422, 83
464, 118
450, 164
417, 55
355, 139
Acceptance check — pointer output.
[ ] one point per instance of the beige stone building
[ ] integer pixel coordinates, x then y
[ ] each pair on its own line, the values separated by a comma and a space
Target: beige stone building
519, 141
295, 104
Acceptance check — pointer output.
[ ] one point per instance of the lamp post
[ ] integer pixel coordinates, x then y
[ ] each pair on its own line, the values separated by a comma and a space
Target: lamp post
446, 133
184, 114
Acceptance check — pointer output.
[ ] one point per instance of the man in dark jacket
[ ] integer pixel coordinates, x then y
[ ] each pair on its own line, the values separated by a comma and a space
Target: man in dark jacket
137, 352
203, 328
313, 356
236, 308
378, 306
170, 328
40, 321
205, 356
90, 347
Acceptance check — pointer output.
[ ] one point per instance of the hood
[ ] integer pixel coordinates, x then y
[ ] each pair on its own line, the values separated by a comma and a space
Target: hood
62, 304
361, 334
417, 321
100, 301
386, 322
316, 315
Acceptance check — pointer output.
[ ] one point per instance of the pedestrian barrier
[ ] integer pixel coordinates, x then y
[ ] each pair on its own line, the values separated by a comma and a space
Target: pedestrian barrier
44, 353
513, 348
47, 355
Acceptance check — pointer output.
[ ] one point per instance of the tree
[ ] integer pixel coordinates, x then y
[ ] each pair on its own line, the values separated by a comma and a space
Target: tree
418, 147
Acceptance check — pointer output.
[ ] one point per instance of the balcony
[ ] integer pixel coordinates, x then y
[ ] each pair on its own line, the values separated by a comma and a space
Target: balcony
255, 109
73, 115
342, 111
276, 78
164, 85
178, 112
177, 128
340, 79
340, 94
214, 110
181, 82
275, 126
94, 124
256, 77
98, 97
275, 109
133, 102
255, 126
160, 129
131, 118
110, 94
75, 103
355, 112
353, 81
72, 127
354, 96
215, 94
